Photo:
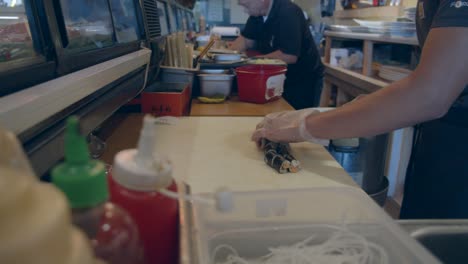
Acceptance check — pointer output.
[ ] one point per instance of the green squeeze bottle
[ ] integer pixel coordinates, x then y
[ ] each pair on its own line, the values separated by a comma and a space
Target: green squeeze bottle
112, 231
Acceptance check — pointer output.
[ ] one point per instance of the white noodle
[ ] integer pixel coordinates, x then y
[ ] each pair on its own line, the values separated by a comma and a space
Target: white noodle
342, 247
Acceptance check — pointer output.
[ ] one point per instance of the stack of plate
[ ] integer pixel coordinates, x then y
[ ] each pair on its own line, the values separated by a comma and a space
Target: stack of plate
345, 28
393, 28
393, 73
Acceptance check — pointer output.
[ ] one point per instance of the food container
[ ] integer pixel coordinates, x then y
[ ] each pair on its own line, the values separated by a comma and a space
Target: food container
177, 75
215, 84
263, 220
213, 71
260, 83
166, 99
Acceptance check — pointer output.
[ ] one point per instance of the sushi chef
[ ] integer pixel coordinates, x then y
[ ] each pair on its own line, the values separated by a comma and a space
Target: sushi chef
278, 30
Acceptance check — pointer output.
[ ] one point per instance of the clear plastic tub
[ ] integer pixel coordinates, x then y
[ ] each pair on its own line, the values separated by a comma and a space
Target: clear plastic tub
267, 219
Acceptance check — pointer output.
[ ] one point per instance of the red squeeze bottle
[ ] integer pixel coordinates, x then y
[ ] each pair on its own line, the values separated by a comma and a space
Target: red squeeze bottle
136, 176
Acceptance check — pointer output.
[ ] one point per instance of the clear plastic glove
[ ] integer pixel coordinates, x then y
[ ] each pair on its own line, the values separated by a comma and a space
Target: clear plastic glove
287, 126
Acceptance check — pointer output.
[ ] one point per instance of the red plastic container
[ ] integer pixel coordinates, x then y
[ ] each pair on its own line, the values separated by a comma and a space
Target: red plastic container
260, 83
156, 217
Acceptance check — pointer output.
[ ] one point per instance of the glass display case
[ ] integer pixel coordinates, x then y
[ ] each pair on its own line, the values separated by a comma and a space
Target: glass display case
16, 42
175, 15
88, 32
25, 58
190, 21
181, 19
163, 18
125, 20
88, 25
172, 18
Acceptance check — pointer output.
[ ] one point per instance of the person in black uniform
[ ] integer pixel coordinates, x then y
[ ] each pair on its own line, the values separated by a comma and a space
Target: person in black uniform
435, 96
278, 30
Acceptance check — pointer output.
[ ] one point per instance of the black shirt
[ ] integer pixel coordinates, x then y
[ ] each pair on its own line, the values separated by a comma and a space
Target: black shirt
442, 13
286, 30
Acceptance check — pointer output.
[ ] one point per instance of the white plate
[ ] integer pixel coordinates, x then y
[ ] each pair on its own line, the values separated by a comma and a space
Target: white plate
344, 28
230, 62
385, 24
227, 57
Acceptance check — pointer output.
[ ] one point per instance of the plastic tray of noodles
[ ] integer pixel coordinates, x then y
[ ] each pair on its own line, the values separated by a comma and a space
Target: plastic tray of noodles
313, 225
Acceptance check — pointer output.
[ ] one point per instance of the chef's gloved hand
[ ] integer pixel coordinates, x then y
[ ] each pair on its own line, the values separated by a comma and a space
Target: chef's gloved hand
286, 127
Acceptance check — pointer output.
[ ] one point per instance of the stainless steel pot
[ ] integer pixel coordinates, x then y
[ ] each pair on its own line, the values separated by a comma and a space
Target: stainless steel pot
215, 84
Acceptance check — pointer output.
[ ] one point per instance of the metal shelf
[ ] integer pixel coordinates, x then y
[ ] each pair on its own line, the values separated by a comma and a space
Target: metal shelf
380, 12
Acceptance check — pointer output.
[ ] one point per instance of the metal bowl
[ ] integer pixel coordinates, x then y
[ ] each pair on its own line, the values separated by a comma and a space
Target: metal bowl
215, 84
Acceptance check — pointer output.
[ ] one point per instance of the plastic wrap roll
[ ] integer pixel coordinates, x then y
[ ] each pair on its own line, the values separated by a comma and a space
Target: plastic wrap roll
226, 31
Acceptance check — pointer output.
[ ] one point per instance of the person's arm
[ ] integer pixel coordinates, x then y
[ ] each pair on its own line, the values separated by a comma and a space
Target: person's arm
241, 44
426, 94
288, 58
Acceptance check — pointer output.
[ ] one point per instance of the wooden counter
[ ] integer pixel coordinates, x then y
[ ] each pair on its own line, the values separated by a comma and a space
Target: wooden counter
125, 128
234, 107
210, 152
215, 150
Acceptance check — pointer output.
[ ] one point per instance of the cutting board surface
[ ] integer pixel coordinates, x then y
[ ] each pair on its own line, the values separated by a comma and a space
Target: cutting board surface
212, 152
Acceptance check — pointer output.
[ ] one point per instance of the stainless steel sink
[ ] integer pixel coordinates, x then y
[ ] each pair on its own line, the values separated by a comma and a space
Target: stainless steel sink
446, 239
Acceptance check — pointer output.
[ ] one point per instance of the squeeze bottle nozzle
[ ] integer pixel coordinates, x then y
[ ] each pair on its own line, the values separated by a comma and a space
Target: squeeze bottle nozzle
145, 155
142, 169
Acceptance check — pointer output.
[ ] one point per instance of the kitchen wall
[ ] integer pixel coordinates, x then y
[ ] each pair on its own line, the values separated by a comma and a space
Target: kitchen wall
221, 12
228, 12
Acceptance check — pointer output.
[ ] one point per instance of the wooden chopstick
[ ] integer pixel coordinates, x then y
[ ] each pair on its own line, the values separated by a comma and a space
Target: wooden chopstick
204, 51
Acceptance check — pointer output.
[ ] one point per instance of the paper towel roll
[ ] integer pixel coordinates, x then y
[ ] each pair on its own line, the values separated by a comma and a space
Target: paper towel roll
226, 31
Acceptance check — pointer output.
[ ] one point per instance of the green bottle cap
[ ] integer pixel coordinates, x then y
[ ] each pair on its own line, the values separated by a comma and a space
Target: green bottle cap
81, 179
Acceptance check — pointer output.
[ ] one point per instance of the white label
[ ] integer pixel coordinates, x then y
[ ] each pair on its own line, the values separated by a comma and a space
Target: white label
274, 86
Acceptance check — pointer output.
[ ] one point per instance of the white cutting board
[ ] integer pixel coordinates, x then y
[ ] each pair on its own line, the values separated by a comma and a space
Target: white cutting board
212, 152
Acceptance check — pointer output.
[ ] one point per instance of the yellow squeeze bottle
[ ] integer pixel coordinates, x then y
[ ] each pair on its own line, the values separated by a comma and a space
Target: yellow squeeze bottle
35, 223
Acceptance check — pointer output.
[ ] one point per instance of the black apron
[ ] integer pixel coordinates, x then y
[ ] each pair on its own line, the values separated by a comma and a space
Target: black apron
436, 183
